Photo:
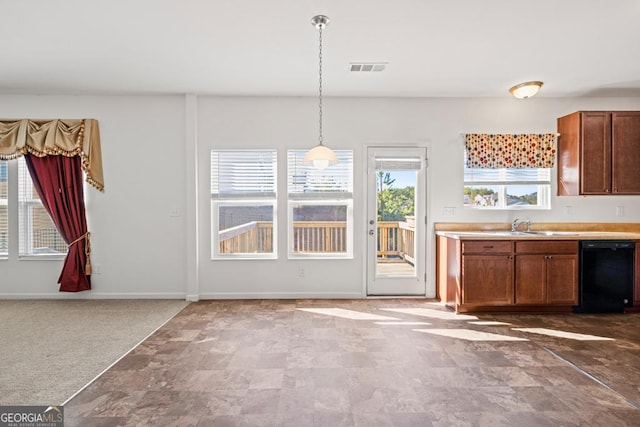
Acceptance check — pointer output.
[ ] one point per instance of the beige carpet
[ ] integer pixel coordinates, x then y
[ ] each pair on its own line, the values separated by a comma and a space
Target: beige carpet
50, 349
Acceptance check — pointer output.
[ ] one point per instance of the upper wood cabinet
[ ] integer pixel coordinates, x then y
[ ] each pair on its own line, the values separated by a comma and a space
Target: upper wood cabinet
599, 153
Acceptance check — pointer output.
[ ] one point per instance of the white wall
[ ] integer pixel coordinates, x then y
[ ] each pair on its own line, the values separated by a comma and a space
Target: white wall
138, 246
351, 124
142, 249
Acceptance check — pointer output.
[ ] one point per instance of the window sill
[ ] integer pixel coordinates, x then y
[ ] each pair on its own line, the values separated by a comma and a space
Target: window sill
41, 257
509, 208
243, 257
317, 256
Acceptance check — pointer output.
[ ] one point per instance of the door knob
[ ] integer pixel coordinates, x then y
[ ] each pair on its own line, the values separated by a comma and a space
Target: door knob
371, 232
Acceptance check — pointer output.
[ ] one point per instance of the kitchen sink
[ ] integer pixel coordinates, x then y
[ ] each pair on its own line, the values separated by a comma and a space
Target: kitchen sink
507, 233
551, 233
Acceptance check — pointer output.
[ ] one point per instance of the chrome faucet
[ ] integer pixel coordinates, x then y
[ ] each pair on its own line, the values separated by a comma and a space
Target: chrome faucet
517, 222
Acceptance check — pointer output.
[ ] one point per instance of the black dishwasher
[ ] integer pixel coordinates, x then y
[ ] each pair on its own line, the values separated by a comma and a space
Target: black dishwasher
606, 276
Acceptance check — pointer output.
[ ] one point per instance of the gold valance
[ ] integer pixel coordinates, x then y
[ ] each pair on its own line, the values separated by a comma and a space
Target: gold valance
510, 150
75, 137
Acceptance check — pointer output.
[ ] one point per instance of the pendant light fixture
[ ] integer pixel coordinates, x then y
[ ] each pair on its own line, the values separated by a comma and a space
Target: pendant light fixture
525, 90
320, 156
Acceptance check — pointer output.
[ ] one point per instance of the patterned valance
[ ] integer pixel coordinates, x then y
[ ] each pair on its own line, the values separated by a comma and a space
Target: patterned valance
75, 137
510, 150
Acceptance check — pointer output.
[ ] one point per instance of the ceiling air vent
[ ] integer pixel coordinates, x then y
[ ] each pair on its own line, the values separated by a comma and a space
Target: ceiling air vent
366, 67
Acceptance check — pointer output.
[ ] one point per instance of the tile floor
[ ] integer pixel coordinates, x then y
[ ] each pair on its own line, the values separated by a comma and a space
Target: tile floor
381, 362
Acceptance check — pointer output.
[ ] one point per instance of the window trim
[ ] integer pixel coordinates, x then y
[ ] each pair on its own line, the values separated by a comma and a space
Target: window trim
320, 198
543, 190
25, 213
250, 198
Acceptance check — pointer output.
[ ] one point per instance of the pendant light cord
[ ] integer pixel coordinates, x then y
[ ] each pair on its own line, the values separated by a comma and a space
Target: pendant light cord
320, 85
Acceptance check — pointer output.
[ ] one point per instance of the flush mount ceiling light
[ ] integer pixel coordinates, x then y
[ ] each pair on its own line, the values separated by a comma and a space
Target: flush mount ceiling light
525, 90
320, 156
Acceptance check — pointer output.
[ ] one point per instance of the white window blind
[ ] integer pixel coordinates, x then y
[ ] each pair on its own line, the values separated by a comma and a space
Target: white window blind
37, 233
525, 176
243, 174
4, 208
308, 182
398, 164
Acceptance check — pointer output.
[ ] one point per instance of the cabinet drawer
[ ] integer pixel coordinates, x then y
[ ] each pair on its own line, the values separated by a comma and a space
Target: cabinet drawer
547, 247
486, 247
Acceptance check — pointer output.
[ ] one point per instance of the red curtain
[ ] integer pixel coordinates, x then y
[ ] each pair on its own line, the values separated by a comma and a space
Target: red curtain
58, 181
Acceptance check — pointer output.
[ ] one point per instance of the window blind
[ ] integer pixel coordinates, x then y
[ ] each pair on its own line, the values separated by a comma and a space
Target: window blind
243, 173
506, 176
307, 182
37, 233
398, 164
4, 209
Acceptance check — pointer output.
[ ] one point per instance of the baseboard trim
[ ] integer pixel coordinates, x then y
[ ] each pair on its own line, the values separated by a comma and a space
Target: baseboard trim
181, 296
280, 295
92, 295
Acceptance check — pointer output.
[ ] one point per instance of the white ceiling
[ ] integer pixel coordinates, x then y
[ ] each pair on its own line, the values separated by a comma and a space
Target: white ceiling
434, 48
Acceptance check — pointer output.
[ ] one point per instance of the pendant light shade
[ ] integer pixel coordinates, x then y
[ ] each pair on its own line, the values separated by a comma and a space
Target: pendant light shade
320, 156
525, 90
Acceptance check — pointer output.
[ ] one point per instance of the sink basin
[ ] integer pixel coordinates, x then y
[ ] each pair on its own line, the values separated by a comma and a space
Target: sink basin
552, 233
510, 233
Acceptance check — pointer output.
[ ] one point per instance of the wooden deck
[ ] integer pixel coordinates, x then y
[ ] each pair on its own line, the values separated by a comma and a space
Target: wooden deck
395, 269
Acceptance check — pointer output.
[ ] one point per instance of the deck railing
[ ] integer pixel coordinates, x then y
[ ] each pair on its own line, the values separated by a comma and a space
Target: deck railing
395, 239
251, 237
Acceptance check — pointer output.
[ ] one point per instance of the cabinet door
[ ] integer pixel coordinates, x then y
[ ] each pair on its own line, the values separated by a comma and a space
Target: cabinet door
562, 279
487, 279
595, 156
626, 152
531, 271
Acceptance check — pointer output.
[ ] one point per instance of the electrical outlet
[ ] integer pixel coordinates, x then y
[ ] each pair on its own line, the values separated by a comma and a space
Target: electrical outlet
619, 210
96, 268
300, 272
568, 210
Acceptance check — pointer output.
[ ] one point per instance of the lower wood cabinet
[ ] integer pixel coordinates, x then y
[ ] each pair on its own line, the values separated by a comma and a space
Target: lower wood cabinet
546, 272
546, 279
510, 275
487, 273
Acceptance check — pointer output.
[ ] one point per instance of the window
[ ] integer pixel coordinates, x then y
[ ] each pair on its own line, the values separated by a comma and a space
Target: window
37, 233
4, 209
526, 188
243, 203
320, 207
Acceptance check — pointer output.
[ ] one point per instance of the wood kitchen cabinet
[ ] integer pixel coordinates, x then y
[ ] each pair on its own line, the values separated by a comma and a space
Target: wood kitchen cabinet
487, 273
546, 272
507, 275
598, 153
